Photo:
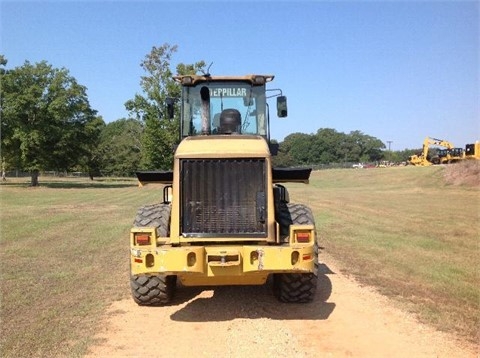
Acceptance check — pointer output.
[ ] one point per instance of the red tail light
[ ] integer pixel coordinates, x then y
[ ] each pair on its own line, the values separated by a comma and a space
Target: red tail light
307, 257
303, 237
142, 239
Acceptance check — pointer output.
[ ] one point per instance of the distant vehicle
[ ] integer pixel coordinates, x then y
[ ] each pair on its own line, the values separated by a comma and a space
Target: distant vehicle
449, 154
422, 158
384, 164
472, 151
357, 166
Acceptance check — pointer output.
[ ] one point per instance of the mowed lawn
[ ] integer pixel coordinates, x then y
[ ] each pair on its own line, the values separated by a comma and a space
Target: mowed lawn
64, 249
407, 232
64, 256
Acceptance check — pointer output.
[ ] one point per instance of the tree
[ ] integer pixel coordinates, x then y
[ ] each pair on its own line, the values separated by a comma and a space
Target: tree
160, 133
298, 146
329, 146
370, 147
92, 160
44, 114
282, 159
3, 62
120, 146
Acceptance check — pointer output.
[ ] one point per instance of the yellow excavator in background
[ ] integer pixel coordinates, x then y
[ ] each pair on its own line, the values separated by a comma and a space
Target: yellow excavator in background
422, 158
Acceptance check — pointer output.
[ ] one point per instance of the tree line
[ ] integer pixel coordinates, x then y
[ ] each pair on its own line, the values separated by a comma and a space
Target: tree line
328, 146
47, 124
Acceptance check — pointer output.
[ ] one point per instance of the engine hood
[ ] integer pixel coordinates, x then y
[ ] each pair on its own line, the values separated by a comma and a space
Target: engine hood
223, 146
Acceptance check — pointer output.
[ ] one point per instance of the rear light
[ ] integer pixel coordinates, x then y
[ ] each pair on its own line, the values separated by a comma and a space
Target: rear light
303, 237
307, 257
142, 239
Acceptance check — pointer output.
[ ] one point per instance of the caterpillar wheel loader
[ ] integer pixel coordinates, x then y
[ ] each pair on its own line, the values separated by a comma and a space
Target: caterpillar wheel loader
225, 218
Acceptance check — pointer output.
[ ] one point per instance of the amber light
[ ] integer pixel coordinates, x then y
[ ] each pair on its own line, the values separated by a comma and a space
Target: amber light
187, 80
303, 236
142, 239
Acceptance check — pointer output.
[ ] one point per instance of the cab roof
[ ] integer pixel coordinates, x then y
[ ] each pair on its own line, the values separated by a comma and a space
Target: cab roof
193, 80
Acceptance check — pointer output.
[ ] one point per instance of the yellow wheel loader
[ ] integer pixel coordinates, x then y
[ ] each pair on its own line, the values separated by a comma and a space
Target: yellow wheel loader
225, 218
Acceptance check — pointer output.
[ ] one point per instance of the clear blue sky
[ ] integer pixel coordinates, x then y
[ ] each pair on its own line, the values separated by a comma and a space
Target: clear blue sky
399, 71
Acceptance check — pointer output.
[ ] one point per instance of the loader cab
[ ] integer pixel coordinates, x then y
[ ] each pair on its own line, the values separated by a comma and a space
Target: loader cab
214, 105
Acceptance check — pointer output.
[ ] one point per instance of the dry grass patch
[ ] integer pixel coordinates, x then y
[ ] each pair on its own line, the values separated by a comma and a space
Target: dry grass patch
409, 233
64, 258
64, 249
466, 173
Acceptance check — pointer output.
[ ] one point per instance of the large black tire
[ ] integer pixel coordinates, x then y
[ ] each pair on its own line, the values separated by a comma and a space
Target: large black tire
295, 287
153, 290
289, 214
154, 215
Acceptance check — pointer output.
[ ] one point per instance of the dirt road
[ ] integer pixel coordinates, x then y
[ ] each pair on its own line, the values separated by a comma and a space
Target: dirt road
345, 320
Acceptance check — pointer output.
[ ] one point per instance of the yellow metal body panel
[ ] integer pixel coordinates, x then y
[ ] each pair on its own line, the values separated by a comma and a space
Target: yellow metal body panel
222, 265
227, 146
218, 263
223, 146
476, 151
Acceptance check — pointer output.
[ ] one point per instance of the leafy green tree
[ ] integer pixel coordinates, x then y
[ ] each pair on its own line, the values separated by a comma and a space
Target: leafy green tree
44, 114
160, 132
120, 147
92, 160
298, 146
329, 146
3, 62
282, 159
370, 147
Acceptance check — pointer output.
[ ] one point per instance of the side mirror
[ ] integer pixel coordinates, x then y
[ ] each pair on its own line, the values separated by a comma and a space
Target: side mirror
281, 106
170, 106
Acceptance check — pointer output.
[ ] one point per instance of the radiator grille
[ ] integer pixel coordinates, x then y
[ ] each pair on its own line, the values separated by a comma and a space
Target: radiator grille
223, 197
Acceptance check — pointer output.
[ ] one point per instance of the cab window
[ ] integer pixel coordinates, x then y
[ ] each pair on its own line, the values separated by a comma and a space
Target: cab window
248, 100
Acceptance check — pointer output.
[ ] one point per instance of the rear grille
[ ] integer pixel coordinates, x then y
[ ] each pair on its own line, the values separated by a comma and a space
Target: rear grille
223, 197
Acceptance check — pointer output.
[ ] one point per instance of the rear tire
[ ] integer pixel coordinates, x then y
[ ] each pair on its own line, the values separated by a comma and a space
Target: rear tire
296, 287
155, 215
153, 290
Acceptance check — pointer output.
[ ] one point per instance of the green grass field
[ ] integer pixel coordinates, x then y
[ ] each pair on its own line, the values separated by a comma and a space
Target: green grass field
64, 249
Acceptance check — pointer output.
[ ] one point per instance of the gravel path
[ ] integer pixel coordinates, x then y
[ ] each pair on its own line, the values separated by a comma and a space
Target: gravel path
346, 320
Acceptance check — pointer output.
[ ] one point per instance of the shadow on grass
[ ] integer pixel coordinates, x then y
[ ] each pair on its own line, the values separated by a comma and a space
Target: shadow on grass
230, 302
71, 185
91, 185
